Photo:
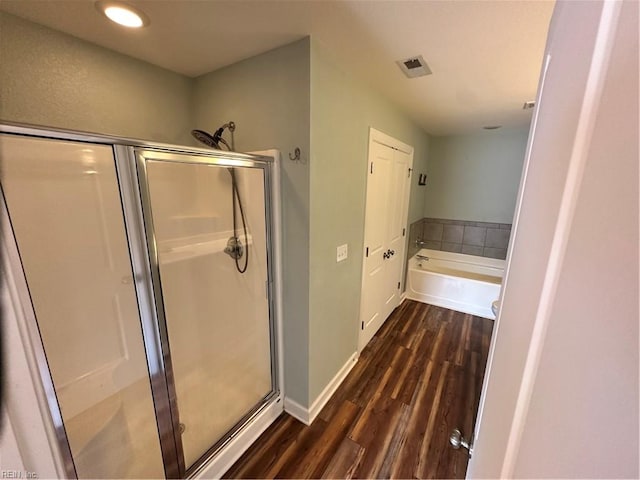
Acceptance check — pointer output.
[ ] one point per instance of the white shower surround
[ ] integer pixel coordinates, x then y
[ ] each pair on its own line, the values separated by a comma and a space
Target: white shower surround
466, 283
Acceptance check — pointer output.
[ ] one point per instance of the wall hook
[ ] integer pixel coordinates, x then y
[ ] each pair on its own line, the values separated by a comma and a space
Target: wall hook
296, 155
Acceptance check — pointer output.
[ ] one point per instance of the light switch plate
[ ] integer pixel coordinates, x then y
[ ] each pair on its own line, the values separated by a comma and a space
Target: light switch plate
342, 253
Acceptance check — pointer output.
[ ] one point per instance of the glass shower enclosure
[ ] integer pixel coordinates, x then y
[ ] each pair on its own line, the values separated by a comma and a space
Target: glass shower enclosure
154, 347
217, 338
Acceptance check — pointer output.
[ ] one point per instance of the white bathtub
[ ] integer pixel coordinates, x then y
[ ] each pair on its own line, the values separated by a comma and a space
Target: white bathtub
465, 283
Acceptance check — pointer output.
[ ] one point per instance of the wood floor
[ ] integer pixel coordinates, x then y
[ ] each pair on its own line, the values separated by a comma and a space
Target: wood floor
418, 378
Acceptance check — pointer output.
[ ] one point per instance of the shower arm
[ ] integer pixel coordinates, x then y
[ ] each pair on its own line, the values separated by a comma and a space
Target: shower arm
231, 126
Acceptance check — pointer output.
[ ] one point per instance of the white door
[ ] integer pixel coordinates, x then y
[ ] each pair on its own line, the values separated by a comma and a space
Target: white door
388, 183
396, 229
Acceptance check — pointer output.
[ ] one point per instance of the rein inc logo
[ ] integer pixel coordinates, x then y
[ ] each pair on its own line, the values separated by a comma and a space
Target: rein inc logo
17, 474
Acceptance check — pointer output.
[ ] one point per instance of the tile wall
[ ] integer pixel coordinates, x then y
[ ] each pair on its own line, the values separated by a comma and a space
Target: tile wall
461, 236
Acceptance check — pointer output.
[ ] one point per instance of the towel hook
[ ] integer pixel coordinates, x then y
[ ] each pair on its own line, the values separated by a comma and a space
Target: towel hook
296, 155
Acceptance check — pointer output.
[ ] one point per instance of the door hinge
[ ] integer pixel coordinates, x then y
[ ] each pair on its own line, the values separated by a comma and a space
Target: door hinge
403, 231
398, 285
371, 167
409, 172
361, 325
367, 252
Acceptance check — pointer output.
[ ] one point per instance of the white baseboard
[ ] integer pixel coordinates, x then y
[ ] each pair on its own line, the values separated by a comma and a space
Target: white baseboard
296, 410
307, 416
331, 387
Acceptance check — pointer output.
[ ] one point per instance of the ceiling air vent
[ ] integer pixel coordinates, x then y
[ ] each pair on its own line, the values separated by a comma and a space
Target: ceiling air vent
414, 67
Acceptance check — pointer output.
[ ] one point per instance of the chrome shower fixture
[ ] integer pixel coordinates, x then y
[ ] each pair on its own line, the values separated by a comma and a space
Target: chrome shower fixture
235, 249
205, 137
216, 139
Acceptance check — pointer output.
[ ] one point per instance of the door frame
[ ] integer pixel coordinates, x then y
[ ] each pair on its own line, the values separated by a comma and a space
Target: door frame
172, 424
382, 138
496, 453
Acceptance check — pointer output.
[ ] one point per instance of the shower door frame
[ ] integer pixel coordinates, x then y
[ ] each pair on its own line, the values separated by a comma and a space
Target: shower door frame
222, 455
185, 157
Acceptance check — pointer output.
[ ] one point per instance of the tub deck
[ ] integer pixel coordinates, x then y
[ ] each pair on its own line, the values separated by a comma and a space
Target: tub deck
464, 274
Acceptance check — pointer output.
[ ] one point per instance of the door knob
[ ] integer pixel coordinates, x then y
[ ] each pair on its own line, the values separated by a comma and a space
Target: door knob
385, 255
457, 440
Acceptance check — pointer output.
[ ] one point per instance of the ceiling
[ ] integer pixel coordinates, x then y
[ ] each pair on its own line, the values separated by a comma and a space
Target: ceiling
485, 55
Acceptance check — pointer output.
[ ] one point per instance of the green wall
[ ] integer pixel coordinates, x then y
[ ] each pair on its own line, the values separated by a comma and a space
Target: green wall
291, 97
53, 79
267, 96
475, 177
342, 110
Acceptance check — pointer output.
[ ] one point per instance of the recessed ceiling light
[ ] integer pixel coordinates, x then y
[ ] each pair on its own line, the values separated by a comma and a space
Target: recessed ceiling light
123, 14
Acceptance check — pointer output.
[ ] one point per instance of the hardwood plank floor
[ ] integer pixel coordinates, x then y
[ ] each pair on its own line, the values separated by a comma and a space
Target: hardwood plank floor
418, 379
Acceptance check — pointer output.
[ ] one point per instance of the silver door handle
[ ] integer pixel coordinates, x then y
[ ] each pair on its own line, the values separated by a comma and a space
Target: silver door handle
457, 440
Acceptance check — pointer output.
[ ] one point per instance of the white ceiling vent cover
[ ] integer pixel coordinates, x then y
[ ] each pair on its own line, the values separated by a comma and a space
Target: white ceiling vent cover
414, 67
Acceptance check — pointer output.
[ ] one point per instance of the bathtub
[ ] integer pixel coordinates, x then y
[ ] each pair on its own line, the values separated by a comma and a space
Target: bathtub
465, 283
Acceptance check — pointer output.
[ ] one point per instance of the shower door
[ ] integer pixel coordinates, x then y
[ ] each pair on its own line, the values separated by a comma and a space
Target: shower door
64, 206
214, 312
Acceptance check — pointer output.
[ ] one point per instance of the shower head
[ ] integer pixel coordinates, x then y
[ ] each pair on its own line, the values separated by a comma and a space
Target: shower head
206, 138
216, 139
